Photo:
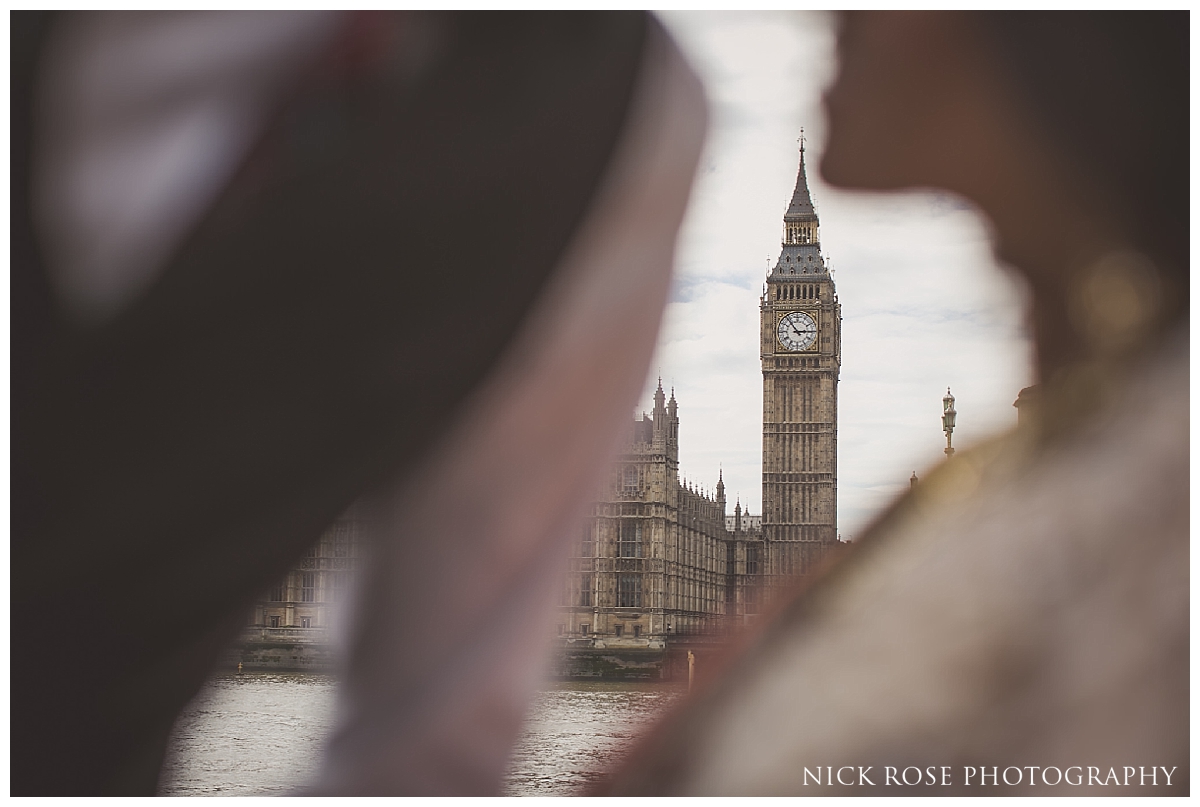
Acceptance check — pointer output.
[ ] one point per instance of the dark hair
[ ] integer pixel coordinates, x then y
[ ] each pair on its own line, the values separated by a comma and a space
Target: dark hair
1111, 89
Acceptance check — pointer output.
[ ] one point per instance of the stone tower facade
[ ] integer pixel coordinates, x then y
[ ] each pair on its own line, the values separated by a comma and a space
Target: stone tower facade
801, 351
656, 559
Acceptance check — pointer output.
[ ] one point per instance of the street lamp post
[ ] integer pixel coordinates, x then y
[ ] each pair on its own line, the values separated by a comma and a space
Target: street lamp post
948, 415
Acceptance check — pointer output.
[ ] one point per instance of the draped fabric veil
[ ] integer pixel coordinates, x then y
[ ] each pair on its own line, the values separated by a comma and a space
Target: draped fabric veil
376, 248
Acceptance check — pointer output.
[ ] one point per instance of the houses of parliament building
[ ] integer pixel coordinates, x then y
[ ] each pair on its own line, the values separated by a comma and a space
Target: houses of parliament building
658, 558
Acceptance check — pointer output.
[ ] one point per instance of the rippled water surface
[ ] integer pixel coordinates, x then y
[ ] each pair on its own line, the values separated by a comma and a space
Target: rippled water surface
250, 734
578, 730
261, 734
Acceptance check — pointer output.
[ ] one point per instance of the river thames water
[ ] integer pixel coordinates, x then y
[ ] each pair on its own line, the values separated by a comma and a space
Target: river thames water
261, 734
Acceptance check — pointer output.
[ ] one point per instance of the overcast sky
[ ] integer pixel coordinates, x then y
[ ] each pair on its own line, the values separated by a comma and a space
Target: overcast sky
924, 305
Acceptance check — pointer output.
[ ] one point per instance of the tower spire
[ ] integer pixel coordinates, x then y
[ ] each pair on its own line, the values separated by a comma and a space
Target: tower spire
801, 253
801, 207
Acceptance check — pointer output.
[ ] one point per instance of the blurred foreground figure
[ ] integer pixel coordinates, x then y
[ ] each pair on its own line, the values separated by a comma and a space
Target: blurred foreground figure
266, 263
1023, 611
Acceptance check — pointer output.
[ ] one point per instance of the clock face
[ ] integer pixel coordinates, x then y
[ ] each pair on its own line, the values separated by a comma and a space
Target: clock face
797, 331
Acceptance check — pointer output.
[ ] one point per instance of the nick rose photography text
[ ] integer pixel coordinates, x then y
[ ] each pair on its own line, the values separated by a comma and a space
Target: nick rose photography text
1029, 775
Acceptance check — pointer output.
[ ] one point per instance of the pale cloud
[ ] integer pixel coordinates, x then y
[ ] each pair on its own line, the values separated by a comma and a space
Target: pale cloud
923, 303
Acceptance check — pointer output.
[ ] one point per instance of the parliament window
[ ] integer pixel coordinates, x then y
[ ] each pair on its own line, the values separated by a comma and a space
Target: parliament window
629, 543
585, 590
276, 593
587, 546
306, 622
308, 587
275, 622
631, 478
629, 591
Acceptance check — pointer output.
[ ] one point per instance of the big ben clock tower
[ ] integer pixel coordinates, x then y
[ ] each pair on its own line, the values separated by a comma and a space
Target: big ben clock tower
801, 349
